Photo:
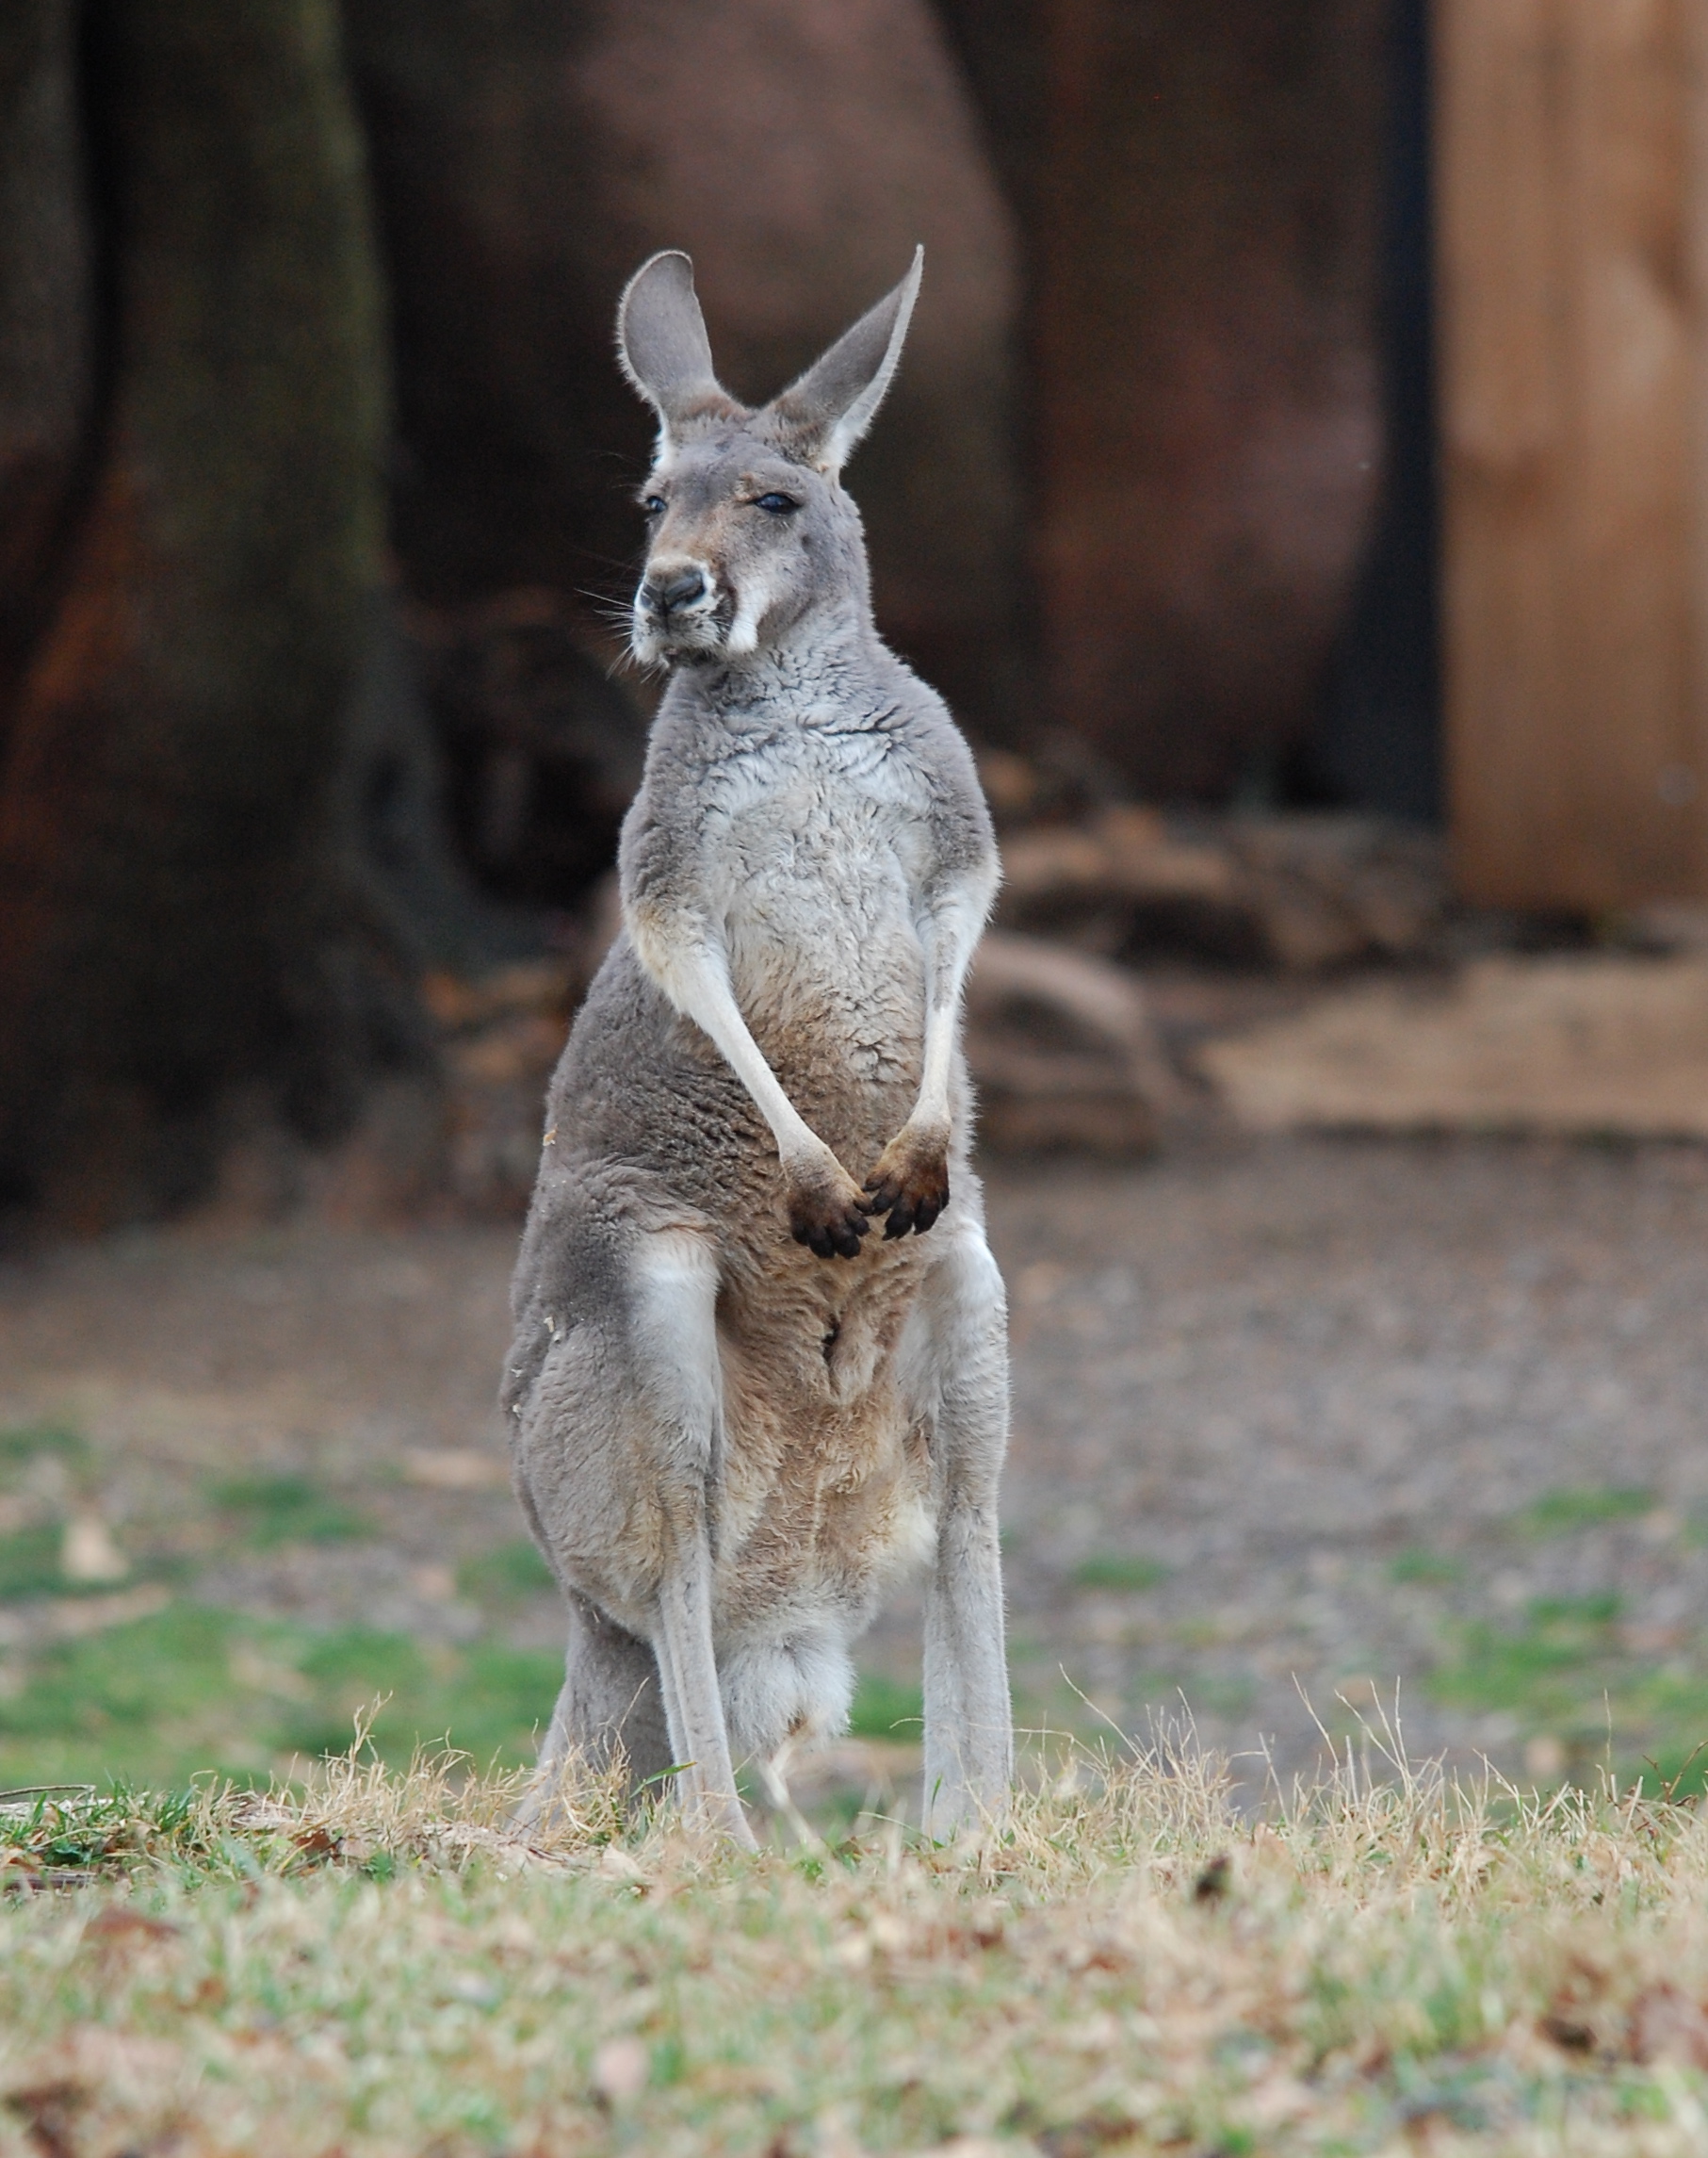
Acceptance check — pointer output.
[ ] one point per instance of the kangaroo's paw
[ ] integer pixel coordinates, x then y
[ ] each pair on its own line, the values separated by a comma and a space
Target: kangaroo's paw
910, 1185
826, 1212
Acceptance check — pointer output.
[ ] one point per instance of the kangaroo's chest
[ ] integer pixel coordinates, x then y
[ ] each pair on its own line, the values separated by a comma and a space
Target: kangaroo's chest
816, 858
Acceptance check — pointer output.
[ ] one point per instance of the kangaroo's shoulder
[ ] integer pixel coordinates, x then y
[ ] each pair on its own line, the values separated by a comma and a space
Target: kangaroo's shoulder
926, 734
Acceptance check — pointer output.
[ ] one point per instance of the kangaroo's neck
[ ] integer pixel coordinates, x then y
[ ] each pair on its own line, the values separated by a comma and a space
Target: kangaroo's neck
829, 655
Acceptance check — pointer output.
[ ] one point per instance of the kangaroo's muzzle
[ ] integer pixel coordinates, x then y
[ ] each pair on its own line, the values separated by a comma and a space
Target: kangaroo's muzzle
677, 609
662, 594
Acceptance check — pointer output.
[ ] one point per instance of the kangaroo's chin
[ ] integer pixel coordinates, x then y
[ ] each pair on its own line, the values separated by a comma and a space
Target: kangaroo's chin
659, 648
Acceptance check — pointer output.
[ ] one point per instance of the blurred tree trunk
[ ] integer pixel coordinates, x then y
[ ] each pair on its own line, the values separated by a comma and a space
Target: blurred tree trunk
1206, 422
181, 917
1197, 192
46, 315
528, 155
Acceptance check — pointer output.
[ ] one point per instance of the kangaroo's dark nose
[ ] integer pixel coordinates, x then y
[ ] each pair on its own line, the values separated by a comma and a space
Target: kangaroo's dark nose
664, 595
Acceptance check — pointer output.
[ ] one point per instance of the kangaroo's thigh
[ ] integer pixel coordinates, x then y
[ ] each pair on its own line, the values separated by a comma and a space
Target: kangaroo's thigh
963, 1348
616, 1443
615, 1434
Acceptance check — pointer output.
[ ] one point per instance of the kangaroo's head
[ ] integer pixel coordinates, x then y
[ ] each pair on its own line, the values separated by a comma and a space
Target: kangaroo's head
748, 526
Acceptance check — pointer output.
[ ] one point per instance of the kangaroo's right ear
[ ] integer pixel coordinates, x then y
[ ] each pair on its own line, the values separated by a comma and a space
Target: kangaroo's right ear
662, 344
835, 402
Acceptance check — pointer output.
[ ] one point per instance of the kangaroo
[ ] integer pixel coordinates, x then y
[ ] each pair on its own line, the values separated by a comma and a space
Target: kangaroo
736, 1415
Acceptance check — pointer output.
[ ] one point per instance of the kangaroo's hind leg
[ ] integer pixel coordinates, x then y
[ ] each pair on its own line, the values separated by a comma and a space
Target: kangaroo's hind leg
618, 1448
674, 1287
611, 1703
969, 1722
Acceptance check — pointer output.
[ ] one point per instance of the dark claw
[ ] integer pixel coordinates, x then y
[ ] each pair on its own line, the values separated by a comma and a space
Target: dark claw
828, 1239
890, 1196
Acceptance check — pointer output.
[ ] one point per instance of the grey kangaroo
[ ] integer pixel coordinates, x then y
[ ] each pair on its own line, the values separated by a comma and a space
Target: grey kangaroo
738, 1415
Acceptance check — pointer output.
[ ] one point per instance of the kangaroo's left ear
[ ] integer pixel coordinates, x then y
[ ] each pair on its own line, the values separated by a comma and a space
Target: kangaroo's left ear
830, 407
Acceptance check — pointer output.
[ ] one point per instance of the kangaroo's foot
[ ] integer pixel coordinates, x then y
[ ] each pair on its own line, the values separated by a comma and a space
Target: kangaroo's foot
826, 1210
910, 1185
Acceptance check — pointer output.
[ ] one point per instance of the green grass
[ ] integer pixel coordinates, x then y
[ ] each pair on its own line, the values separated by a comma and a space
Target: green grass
1222, 1692
507, 1576
1123, 1570
29, 1561
196, 1688
1589, 1506
20, 1444
1418, 1566
1562, 1669
1553, 1668
377, 1964
886, 1709
268, 1511
31, 1565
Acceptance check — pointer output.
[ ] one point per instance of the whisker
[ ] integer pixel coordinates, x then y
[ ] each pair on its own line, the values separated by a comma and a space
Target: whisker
626, 562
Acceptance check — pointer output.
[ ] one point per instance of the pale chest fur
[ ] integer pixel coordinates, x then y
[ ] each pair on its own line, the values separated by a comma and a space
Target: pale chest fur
814, 848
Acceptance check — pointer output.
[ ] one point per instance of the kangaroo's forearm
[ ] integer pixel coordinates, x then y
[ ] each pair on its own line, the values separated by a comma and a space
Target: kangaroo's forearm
949, 935
941, 1023
694, 975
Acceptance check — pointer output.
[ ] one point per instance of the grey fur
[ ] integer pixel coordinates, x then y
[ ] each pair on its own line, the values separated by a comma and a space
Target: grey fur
738, 1416
661, 339
836, 400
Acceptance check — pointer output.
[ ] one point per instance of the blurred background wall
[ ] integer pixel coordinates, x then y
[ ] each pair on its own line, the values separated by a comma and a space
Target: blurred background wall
317, 471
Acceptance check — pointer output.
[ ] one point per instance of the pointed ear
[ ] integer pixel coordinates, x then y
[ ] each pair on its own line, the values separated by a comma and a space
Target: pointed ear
835, 402
662, 340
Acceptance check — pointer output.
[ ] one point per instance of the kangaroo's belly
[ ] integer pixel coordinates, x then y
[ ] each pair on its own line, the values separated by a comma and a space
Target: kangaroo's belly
822, 1504
825, 1486
818, 1516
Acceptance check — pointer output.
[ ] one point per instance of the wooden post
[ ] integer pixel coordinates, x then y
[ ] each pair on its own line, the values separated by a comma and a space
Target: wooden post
1571, 227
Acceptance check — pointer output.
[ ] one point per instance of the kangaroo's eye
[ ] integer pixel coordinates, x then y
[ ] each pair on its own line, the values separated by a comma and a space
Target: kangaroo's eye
777, 505
654, 505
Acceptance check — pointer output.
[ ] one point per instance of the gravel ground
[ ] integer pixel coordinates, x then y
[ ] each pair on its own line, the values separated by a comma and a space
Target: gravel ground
1377, 1411
1293, 1419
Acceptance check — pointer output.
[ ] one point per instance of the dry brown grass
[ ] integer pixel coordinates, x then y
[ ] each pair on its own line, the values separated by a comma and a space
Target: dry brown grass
1386, 1962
